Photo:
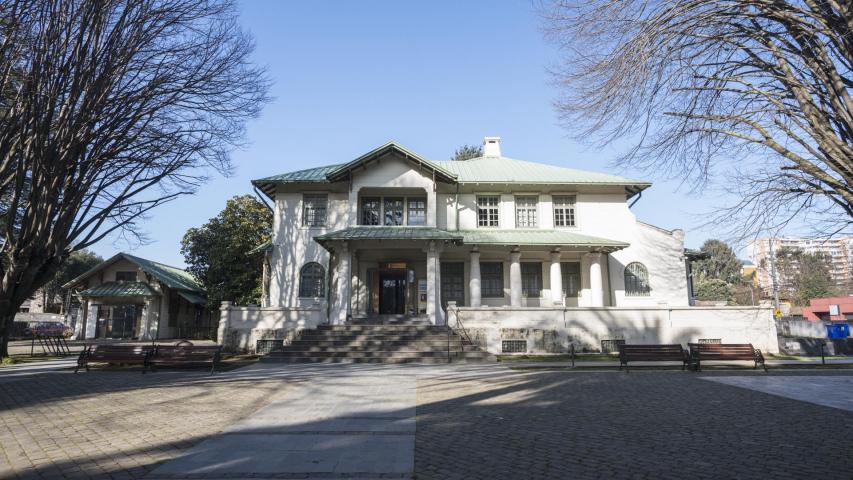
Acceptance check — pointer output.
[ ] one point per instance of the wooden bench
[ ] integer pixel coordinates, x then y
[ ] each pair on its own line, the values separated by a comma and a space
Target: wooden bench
185, 354
652, 353
701, 352
116, 354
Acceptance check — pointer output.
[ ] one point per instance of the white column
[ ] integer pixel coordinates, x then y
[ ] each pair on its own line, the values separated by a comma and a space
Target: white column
432, 279
432, 208
596, 284
353, 208
439, 312
343, 279
474, 280
556, 279
515, 279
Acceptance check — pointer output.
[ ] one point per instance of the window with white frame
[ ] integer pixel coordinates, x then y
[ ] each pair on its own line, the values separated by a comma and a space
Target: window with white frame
531, 279
314, 210
491, 279
371, 210
564, 210
525, 211
571, 273
416, 211
488, 211
637, 280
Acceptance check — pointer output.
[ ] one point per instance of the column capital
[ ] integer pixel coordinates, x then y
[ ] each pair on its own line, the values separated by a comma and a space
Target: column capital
556, 255
514, 256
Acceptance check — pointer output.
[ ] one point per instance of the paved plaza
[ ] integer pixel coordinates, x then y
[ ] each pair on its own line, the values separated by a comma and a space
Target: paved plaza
425, 422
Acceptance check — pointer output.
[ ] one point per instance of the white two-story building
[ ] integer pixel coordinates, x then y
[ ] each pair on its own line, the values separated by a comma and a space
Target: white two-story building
394, 233
515, 248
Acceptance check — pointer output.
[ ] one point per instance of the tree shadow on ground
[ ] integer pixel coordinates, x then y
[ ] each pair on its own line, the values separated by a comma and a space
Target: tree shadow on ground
489, 422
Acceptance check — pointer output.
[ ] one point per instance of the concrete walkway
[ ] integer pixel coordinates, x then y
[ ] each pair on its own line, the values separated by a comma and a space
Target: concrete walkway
336, 423
11, 373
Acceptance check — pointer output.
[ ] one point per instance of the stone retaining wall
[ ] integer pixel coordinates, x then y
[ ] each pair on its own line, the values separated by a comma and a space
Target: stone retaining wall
241, 327
555, 330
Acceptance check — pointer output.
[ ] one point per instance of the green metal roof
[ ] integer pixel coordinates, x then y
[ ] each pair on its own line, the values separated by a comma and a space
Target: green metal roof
264, 247
557, 238
172, 277
119, 289
193, 298
388, 233
509, 170
481, 170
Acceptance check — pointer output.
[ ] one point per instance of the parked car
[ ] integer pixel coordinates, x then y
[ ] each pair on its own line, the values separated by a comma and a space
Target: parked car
51, 329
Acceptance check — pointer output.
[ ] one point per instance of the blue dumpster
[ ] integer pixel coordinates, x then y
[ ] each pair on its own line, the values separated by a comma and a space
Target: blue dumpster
838, 330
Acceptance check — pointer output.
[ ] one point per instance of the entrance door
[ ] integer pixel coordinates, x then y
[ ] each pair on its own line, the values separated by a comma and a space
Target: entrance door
392, 292
452, 283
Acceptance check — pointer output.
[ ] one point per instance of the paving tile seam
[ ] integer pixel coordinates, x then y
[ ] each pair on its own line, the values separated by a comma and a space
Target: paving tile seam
324, 432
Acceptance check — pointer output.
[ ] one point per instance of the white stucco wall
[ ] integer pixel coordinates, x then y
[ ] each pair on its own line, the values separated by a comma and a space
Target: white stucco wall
601, 212
241, 327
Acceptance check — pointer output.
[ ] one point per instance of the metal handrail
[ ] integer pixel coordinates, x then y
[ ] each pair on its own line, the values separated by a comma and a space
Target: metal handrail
464, 331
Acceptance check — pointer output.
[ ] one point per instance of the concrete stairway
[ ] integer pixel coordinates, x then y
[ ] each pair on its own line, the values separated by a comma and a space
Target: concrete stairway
379, 343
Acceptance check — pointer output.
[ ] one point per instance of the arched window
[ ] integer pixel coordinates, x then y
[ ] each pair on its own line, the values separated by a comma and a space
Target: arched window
312, 280
637, 280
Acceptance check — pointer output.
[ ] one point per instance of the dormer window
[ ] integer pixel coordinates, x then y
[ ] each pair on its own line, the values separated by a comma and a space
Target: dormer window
125, 276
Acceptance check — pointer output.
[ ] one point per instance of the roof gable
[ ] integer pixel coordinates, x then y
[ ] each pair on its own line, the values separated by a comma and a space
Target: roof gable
172, 277
486, 170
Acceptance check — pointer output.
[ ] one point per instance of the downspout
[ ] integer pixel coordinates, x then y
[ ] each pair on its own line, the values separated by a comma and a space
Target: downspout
456, 203
329, 286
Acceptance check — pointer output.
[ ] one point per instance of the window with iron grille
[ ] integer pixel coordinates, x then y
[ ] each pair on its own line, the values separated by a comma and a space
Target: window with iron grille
370, 210
452, 283
314, 210
525, 211
417, 211
393, 211
564, 211
611, 346
710, 340
312, 280
492, 279
513, 346
637, 280
571, 272
488, 211
531, 279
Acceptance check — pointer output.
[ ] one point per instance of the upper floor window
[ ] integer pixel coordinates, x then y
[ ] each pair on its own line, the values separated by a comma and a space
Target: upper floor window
393, 211
531, 279
314, 210
492, 279
312, 280
571, 273
564, 211
488, 211
417, 211
370, 210
125, 276
637, 280
525, 211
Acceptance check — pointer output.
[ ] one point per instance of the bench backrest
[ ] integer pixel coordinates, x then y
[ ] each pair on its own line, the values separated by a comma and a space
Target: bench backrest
108, 351
733, 351
639, 352
187, 351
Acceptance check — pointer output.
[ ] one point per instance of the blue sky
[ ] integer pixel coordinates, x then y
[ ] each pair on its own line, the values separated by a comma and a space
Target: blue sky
349, 76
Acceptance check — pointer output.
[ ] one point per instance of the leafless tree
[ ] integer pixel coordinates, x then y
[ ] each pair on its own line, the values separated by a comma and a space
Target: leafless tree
108, 109
752, 96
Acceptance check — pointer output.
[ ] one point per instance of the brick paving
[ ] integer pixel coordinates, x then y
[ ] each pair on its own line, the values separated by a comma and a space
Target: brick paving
655, 425
116, 424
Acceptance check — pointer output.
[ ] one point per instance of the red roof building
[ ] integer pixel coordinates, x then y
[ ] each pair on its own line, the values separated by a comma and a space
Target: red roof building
831, 308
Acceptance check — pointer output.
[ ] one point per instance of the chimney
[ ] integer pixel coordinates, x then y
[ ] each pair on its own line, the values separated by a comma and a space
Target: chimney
492, 146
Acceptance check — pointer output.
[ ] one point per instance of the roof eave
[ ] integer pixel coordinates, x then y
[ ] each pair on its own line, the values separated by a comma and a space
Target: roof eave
343, 172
